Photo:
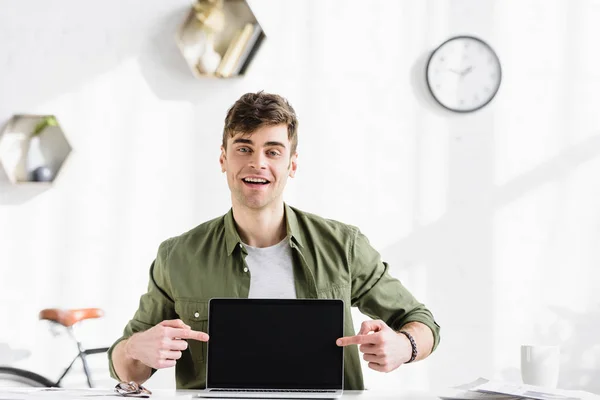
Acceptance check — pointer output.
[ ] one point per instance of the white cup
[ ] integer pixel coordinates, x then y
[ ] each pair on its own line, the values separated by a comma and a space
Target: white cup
540, 365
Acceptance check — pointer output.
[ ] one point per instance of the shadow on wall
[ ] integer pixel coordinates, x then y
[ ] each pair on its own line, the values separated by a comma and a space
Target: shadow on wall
421, 91
71, 64
468, 219
14, 195
9, 355
166, 72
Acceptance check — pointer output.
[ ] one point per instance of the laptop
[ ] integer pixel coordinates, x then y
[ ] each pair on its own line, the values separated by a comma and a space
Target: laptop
274, 348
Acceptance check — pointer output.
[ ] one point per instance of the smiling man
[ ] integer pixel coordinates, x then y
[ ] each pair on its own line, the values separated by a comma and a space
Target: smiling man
264, 248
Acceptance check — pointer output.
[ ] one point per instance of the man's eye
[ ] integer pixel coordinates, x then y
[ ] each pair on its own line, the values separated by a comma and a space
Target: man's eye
273, 153
244, 150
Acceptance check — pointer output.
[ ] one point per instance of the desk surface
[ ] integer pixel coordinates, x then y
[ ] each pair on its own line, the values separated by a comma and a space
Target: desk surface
33, 394
363, 395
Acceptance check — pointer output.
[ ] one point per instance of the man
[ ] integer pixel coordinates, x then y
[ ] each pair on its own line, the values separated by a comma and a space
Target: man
263, 248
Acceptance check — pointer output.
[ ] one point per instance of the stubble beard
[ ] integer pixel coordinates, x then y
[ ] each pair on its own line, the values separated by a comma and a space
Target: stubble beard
256, 201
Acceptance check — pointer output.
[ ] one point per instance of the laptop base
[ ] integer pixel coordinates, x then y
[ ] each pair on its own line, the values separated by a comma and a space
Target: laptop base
270, 394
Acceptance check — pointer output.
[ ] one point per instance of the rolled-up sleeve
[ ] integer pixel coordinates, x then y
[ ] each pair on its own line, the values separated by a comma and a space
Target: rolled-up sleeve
379, 295
155, 306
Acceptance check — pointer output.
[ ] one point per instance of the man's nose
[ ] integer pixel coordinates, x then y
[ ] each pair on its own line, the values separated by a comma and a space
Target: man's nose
258, 160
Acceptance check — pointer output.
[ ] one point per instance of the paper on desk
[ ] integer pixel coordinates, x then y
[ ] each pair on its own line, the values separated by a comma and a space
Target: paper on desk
463, 392
530, 391
51, 393
16, 393
74, 394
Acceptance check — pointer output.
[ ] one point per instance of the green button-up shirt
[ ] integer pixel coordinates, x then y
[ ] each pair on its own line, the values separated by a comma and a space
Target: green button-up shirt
331, 260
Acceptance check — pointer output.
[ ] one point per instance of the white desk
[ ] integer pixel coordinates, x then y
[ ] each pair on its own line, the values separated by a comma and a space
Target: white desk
98, 394
362, 395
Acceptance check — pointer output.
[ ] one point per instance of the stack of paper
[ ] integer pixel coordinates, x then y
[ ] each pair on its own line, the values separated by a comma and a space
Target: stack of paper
484, 389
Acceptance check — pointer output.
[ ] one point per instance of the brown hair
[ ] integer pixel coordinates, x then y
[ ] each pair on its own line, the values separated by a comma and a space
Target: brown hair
255, 110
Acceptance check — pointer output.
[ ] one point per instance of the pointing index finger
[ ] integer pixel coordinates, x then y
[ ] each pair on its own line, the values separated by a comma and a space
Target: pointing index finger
357, 339
190, 334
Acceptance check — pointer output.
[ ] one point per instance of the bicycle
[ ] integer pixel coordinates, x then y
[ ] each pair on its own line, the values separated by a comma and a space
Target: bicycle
67, 319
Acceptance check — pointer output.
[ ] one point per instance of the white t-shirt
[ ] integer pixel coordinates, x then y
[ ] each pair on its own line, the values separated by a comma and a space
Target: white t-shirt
271, 271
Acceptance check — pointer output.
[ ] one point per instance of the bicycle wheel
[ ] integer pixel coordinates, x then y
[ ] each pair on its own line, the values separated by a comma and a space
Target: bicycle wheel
15, 377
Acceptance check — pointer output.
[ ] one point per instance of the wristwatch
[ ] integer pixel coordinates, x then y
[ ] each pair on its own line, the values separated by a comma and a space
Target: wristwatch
413, 344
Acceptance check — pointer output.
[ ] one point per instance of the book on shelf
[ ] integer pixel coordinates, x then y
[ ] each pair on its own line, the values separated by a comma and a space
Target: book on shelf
240, 50
250, 49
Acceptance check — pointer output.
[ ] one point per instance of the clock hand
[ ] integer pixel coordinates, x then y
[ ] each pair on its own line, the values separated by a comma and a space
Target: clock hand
455, 71
467, 70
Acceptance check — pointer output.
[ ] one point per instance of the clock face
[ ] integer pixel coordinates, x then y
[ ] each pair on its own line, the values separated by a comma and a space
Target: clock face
463, 74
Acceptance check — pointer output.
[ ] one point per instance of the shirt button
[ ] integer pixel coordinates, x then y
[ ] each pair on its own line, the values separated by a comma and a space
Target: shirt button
196, 314
241, 246
245, 269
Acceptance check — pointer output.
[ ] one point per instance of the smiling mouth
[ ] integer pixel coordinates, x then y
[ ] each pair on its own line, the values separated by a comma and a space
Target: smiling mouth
255, 181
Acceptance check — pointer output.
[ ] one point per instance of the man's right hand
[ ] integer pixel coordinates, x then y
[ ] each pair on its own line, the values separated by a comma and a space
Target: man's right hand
161, 345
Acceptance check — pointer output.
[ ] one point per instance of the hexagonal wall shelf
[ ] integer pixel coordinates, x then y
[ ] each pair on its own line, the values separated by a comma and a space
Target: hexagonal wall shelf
219, 38
33, 149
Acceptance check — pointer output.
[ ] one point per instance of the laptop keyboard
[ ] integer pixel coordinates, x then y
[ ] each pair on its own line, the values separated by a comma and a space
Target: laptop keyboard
273, 390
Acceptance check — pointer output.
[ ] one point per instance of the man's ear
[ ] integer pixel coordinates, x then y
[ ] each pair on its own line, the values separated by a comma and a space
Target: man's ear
222, 159
293, 165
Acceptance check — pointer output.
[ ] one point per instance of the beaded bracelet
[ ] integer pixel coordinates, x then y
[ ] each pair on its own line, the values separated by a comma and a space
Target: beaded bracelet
413, 344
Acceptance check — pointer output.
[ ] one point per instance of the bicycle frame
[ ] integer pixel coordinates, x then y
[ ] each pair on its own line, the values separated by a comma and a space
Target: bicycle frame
33, 379
82, 354
86, 369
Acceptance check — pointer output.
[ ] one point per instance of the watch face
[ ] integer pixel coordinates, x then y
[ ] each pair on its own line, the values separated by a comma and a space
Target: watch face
463, 74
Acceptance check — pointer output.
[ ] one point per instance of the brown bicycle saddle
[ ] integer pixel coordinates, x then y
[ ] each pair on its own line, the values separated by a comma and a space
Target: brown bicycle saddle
70, 317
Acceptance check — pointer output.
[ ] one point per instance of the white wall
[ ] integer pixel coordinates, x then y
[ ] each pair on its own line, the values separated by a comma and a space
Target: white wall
491, 218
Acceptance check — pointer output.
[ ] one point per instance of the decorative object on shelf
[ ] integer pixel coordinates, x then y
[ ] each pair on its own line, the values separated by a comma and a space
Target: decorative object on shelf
210, 59
33, 148
35, 163
463, 74
220, 38
210, 14
212, 19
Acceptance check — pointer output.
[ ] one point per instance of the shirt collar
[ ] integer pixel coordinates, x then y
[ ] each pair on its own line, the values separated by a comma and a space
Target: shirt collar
232, 238
292, 226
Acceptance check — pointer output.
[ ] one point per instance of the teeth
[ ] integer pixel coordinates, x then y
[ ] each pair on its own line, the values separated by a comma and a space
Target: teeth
255, 180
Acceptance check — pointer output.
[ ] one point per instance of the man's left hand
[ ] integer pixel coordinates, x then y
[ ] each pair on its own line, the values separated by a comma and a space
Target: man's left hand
384, 349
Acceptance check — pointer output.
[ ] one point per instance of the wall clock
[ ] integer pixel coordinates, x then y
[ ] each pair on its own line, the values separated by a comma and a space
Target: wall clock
463, 74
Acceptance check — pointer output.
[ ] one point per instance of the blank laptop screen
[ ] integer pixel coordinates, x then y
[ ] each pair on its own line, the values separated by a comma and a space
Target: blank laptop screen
275, 344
